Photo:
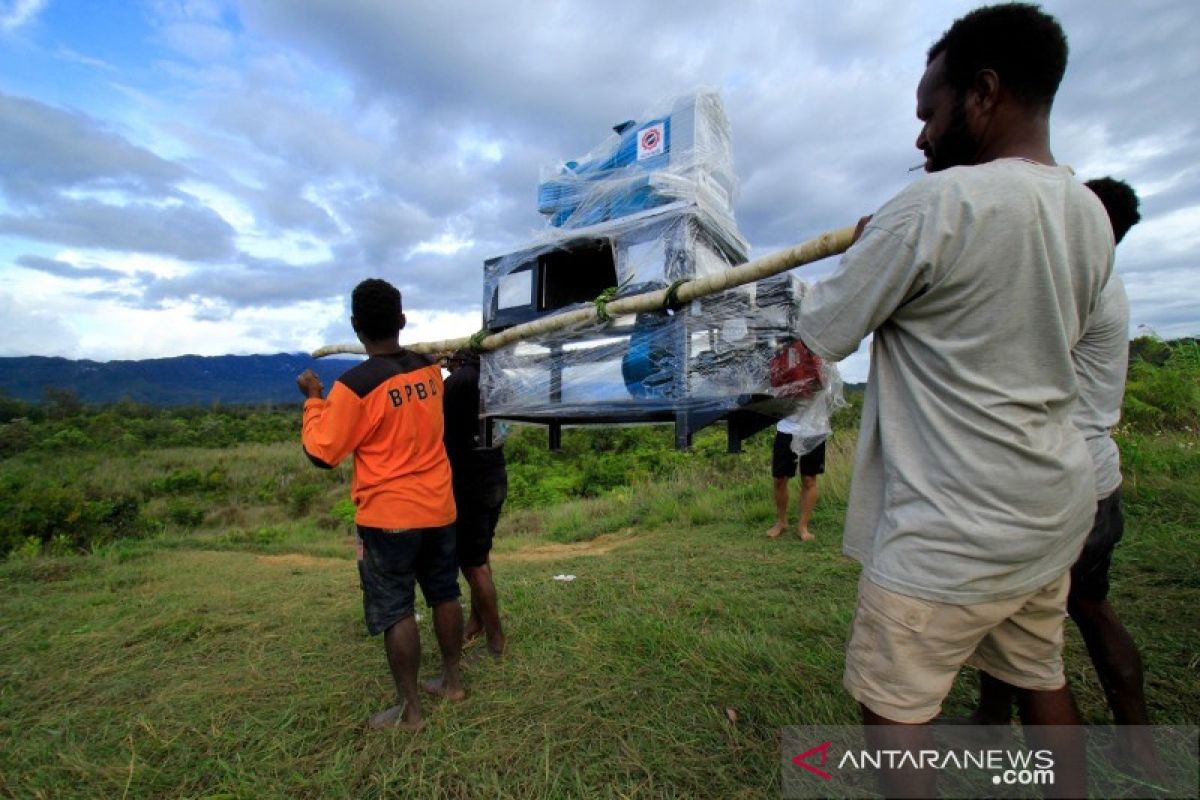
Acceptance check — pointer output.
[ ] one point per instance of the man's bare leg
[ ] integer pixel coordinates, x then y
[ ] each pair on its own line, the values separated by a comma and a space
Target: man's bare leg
474, 625
884, 734
448, 625
1119, 667
781, 508
995, 701
402, 645
485, 606
1056, 727
808, 501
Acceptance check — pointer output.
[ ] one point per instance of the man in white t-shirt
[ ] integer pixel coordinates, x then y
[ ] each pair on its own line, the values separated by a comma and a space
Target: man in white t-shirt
972, 491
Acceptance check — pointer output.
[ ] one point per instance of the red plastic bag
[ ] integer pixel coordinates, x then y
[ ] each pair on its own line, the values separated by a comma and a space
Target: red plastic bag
795, 371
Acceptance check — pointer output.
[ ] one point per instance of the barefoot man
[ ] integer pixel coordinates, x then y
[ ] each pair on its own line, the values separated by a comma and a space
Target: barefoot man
784, 464
480, 487
387, 411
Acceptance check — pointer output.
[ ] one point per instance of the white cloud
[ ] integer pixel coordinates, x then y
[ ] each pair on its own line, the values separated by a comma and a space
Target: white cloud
1163, 302
855, 367
105, 330
67, 54
1176, 233
130, 263
200, 42
423, 325
15, 13
25, 329
231, 209
471, 148
288, 248
445, 245
428, 326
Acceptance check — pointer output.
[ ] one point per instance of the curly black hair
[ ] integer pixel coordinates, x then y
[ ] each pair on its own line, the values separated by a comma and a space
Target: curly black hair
1120, 201
378, 313
1025, 46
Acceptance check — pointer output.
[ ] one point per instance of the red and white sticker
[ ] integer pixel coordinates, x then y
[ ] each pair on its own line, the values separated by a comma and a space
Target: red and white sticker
652, 141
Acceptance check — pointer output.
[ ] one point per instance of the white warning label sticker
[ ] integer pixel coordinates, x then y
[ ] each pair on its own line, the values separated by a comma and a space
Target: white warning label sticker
652, 141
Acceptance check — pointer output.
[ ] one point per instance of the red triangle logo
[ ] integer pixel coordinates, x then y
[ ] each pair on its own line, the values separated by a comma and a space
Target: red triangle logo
802, 760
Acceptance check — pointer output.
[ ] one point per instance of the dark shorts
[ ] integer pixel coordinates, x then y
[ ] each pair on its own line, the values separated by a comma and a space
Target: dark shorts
1089, 576
784, 462
392, 562
478, 512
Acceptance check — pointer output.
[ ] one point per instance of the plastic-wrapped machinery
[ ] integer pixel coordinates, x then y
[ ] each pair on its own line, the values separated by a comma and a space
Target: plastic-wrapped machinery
651, 206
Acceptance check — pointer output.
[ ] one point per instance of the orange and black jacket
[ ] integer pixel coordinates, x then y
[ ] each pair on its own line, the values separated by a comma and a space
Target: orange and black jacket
388, 412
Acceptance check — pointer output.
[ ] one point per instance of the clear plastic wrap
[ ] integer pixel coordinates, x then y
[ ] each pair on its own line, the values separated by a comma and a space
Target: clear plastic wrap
717, 354
810, 424
650, 207
679, 153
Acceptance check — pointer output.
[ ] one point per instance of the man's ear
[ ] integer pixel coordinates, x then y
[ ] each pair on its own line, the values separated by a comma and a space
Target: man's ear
403, 321
354, 323
984, 92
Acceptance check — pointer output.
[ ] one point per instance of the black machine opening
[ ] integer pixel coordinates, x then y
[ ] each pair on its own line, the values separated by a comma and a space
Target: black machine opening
576, 274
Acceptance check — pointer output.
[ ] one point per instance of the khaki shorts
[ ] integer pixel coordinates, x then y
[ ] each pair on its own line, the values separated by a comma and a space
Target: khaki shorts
905, 652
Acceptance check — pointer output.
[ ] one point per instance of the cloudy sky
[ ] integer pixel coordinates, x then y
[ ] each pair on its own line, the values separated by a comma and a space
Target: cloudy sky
202, 176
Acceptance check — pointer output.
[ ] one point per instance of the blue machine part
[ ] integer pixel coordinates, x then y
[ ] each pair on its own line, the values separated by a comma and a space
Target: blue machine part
611, 187
649, 365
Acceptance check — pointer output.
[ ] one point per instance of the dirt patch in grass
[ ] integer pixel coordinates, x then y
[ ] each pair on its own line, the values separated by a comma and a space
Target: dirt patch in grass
601, 545
300, 560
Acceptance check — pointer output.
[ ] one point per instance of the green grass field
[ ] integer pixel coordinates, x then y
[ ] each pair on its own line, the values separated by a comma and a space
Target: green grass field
225, 656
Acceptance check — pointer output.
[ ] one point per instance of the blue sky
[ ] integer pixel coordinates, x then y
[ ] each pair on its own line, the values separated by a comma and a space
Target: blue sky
200, 176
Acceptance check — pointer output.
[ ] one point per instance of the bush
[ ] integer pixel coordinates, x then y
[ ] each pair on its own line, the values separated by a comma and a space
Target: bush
602, 472
12, 408
300, 497
63, 424
67, 439
344, 511
1162, 391
537, 488
30, 548
66, 515
190, 481
259, 537
185, 513
15, 437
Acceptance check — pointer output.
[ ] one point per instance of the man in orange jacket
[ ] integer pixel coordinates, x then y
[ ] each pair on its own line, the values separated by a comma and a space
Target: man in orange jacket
387, 411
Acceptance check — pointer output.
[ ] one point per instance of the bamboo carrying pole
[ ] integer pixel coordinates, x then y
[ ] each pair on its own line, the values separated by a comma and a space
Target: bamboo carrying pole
827, 244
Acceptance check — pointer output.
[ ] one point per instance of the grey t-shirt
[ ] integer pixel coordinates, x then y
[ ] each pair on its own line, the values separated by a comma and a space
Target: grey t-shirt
1101, 360
970, 482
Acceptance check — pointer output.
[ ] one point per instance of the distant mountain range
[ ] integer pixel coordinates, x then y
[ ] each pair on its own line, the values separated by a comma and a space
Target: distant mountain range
183, 380
178, 381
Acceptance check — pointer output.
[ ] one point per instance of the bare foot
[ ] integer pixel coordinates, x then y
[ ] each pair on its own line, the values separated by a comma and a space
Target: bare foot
805, 536
1138, 757
477, 655
442, 688
474, 656
776, 530
496, 645
397, 716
